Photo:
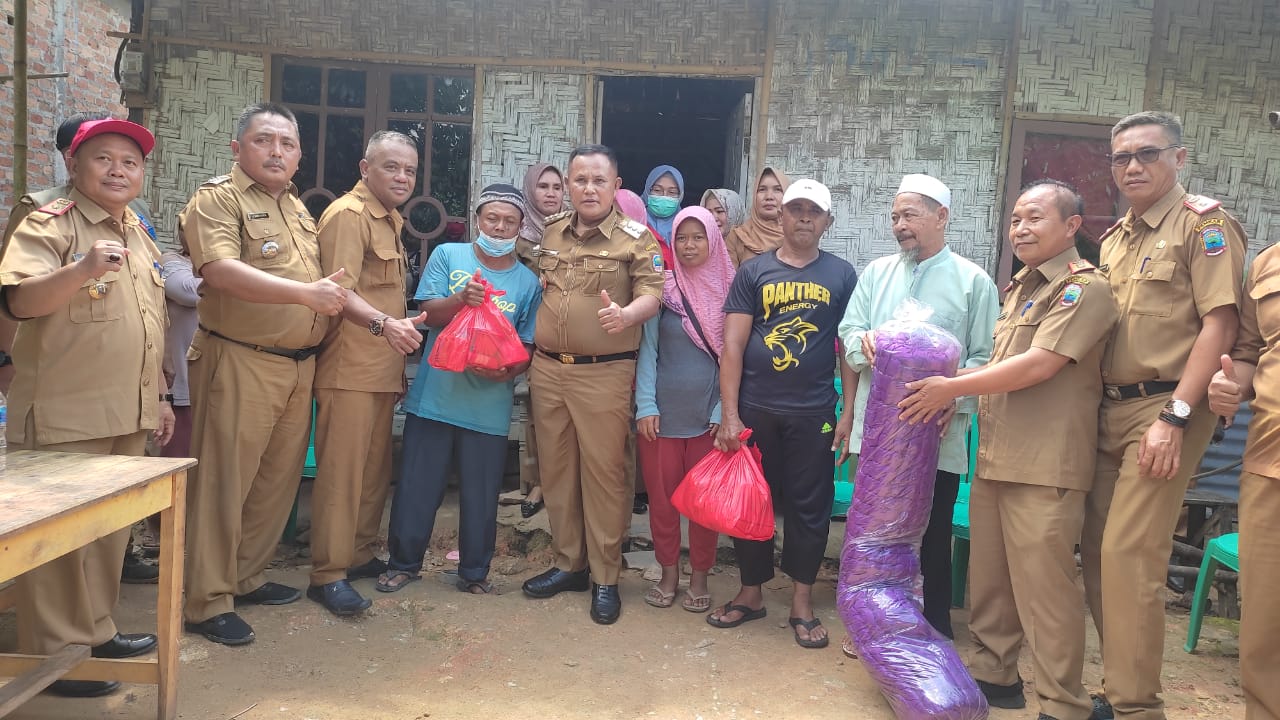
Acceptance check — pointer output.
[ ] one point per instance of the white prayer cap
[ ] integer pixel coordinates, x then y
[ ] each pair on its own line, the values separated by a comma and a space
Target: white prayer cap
927, 186
810, 190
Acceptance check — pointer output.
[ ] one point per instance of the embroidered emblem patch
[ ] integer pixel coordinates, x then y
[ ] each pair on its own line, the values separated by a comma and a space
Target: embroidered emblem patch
1071, 295
657, 262
1212, 237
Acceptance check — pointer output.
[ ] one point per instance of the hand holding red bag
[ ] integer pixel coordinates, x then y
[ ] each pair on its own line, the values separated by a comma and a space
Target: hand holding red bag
727, 492
478, 337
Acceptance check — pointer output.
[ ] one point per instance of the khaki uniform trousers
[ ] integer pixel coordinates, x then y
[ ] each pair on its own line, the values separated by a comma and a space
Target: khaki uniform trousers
250, 427
353, 473
1124, 550
1260, 586
583, 414
1023, 584
69, 599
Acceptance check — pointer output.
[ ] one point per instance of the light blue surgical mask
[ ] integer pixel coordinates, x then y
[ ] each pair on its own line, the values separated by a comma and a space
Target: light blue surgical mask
662, 206
495, 247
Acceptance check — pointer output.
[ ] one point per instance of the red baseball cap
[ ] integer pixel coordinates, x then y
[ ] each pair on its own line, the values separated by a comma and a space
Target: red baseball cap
135, 132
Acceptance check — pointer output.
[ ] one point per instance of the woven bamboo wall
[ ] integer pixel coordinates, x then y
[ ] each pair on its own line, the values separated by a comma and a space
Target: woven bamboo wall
698, 32
863, 93
200, 95
1084, 56
527, 118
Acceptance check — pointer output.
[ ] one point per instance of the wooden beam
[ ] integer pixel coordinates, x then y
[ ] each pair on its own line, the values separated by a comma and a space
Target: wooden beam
1156, 55
140, 671
761, 124
563, 64
173, 536
41, 673
1068, 118
1006, 131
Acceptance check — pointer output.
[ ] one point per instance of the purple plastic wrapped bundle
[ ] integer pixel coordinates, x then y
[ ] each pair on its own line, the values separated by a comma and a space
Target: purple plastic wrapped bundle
878, 595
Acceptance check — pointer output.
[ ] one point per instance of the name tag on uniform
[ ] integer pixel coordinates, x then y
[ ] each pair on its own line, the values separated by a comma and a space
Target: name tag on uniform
259, 216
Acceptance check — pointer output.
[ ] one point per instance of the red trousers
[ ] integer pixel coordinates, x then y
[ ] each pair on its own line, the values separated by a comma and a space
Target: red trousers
664, 463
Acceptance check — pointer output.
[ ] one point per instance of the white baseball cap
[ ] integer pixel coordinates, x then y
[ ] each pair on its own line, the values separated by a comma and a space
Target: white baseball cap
928, 186
810, 190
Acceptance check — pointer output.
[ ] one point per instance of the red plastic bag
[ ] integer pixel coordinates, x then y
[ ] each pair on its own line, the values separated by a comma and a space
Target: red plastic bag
726, 492
478, 337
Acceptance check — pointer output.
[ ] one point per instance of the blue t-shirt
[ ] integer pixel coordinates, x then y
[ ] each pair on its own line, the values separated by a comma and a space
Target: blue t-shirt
464, 399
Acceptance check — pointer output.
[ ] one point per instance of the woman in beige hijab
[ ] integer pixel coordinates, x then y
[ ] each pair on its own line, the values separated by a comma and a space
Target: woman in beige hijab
762, 231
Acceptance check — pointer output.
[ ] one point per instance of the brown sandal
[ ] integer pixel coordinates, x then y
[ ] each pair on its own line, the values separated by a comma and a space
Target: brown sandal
395, 580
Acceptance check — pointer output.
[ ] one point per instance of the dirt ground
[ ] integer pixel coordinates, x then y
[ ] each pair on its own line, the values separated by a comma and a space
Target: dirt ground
430, 651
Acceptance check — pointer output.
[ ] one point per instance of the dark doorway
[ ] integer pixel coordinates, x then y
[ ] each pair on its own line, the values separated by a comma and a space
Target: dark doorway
699, 126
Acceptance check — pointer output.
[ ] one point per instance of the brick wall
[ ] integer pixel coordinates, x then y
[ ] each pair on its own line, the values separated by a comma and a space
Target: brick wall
62, 36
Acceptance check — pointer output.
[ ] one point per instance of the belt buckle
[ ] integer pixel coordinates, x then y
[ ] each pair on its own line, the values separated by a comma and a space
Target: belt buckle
1112, 392
566, 358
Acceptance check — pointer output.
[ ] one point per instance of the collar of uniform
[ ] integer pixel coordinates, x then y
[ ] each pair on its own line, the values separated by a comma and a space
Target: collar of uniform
606, 226
1157, 213
1058, 265
371, 202
94, 213
243, 182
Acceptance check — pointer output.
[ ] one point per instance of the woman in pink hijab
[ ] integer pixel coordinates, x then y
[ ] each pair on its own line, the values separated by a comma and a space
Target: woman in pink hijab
678, 397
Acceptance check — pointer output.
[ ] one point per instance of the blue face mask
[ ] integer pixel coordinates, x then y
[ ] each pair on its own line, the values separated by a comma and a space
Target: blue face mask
494, 247
662, 206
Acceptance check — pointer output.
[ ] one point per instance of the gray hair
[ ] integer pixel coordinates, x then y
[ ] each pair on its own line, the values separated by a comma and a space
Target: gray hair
1171, 123
248, 114
1066, 197
389, 136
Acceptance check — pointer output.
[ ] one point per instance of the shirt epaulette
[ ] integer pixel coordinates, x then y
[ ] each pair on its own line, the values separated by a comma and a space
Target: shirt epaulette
217, 180
1008, 287
1107, 233
58, 207
633, 228
1200, 204
562, 215
1079, 266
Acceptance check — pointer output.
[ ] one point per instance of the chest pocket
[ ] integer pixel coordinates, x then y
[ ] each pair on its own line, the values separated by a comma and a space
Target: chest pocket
1267, 296
109, 305
265, 245
1025, 326
602, 274
388, 269
1153, 289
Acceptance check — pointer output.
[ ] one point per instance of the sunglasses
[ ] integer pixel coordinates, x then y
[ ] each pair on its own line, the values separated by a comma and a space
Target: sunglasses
1146, 156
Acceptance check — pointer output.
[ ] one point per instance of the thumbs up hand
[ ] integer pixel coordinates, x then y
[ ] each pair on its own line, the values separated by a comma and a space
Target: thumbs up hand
611, 318
1224, 391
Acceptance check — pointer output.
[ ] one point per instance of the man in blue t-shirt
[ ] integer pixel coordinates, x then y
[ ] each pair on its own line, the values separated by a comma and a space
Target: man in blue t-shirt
780, 348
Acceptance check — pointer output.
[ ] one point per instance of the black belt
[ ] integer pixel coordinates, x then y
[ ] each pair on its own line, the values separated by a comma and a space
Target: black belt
569, 359
1137, 390
295, 355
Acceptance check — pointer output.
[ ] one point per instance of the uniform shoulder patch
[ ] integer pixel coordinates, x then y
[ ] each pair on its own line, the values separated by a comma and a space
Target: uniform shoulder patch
1212, 236
632, 228
58, 207
1109, 231
1080, 266
1071, 294
1077, 280
562, 215
217, 180
1200, 204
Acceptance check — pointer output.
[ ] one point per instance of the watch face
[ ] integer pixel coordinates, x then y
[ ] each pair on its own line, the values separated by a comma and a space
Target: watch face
1180, 408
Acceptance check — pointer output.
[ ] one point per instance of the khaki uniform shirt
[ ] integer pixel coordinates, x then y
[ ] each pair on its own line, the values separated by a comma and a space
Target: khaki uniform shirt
88, 370
1168, 268
231, 217
359, 234
620, 256
1047, 434
1259, 344
28, 203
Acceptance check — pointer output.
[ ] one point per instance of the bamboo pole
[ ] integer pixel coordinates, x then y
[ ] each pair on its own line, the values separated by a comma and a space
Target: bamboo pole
19, 98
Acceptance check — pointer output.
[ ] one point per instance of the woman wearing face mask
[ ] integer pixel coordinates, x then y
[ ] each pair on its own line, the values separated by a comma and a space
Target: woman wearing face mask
762, 232
462, 418
678, 397
663, 191
726, 207
544, 196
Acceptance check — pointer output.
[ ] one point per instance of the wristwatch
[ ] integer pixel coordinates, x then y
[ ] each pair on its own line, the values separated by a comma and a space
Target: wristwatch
167, 397
375, 325
1180, 409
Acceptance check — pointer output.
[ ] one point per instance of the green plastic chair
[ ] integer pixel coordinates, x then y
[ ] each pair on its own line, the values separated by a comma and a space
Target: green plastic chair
290, 535
845, 472
960, 522
1222, 550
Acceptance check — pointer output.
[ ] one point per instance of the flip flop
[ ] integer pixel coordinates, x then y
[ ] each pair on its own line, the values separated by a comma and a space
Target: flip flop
659, 599
470, 586
847, 648
696, 603
387, 581
748, 614
808, 625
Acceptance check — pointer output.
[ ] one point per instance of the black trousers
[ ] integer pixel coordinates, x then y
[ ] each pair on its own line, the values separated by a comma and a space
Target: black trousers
800, 469
935, 554
430, 448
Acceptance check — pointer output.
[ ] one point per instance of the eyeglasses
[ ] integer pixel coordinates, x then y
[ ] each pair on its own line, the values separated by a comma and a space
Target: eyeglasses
1146, 156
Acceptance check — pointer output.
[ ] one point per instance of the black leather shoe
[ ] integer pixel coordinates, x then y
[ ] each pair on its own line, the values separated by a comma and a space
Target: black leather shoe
371, 569
125, 646
555, 581
339, 598
83, 688
1102, 709
137, 572
1009, 697
606, 604
227, 628
270, 594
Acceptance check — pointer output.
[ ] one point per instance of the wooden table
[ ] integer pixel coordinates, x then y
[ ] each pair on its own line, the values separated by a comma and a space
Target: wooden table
52, 503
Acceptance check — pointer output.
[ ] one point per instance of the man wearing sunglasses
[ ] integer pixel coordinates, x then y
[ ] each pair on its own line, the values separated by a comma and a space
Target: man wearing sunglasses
1175, 264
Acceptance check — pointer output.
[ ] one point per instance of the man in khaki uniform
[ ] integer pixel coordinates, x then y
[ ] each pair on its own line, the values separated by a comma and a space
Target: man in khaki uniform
1026, 505
251, 367
1175, 264
360, 371
82, 277
1253, 371
603, 278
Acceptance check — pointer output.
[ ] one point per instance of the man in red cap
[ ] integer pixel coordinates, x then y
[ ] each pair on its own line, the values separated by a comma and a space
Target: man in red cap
81, 275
